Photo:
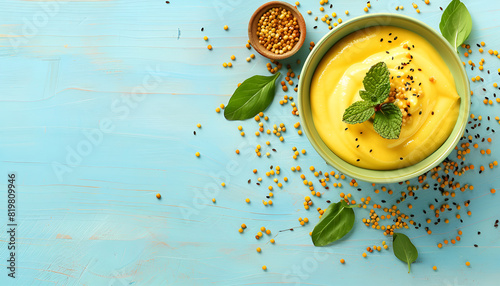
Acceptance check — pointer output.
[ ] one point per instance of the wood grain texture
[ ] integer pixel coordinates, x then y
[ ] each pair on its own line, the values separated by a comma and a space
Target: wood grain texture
98, 107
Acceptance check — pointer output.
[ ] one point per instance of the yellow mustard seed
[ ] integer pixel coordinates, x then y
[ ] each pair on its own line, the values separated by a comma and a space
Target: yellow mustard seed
278, 21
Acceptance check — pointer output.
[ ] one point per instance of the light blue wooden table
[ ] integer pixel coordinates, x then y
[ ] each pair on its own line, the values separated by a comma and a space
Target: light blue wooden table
99, 101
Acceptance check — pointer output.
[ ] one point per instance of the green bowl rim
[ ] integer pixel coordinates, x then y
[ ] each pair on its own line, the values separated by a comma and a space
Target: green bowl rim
412, 172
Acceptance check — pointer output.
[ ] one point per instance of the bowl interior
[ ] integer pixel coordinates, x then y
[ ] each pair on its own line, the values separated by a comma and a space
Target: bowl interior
449, 56
252, 29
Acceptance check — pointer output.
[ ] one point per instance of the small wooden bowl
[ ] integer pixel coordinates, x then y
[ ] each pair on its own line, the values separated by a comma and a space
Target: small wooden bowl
252, 30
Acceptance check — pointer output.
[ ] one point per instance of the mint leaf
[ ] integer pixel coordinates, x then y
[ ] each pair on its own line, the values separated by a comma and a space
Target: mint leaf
388, 121
366, 96
456, 23
358, 112
377, 84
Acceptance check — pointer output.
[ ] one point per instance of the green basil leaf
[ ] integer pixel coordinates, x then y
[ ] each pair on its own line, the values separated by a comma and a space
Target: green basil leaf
456, 23
254, 95
377, 84
404, 249
388, 121
336, 222
358, 112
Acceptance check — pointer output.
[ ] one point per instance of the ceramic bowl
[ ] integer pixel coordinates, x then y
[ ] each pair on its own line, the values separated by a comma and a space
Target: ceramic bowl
449, 56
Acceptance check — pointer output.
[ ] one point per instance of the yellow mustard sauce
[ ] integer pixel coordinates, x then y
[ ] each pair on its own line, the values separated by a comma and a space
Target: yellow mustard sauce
419, 77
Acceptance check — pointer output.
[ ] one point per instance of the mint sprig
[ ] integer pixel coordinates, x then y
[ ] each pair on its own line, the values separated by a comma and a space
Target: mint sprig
388, 118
